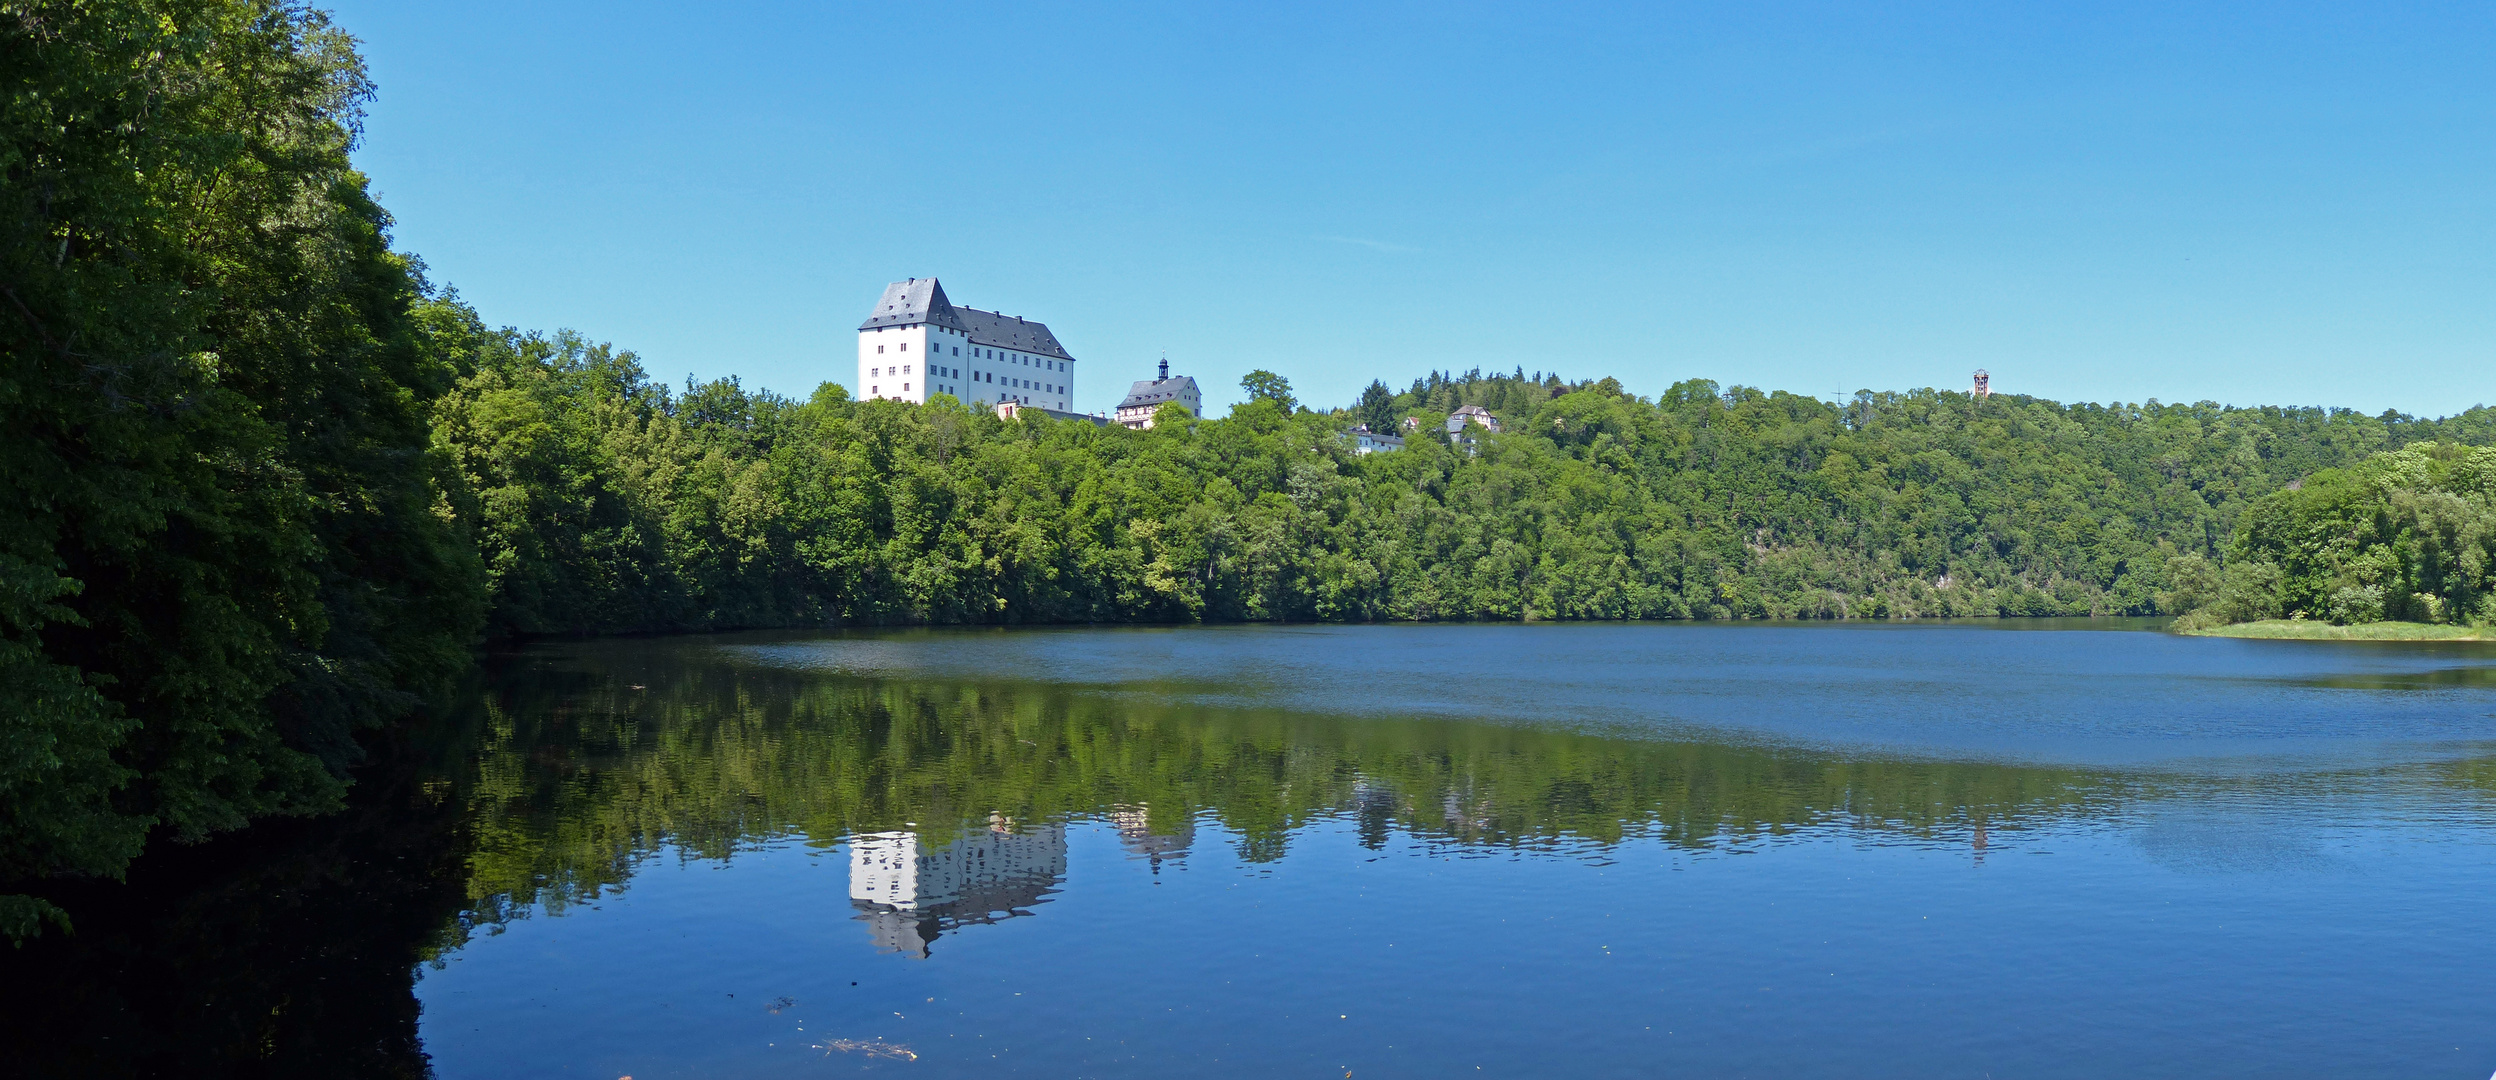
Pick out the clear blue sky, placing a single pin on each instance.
(2257, 203)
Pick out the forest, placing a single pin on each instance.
(272, 490)
(603, 502)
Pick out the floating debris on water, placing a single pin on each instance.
(869, 1047)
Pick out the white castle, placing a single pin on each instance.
(918, 343)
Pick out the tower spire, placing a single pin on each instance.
(1165, 367)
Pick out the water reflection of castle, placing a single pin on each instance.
(909, 890)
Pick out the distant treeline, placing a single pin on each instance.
(268, 486)
(603, 502)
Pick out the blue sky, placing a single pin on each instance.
(2255, 204)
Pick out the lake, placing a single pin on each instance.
(2007, 849)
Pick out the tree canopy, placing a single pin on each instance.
(606, 502)
(222, 554)
(2408, 535)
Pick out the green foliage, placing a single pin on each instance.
(2406, 536)
(221, 557)
(605, 503)
(1263, 385)
(1377, 409)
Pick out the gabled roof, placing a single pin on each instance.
(922, 300)
(1153, 393)
(1008, 332)
(908, 303)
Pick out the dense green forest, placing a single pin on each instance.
(605, 502)
(269, 488)
(2408, 535)
(221, 556)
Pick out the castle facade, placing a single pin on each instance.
(917, 343)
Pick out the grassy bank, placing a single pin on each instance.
(2322, 631)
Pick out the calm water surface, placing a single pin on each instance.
(1889, 850)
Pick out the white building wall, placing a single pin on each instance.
(893, 362)
(998, 374)
(908, 363)
(947, 368)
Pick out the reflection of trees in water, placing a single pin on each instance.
(594, 757)
(292, 948)
(286, 949)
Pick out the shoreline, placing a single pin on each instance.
(2310, 630)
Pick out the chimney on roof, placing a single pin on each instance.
(1165, 370)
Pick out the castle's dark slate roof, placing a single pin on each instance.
(922, 300)
(1153, 393)
(1008, 332)
(909, 303)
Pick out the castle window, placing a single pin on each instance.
(905, 369)
(875, 371)
(905, 388)
(879, 348)
(905, 346)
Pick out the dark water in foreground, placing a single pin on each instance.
(1378, 851)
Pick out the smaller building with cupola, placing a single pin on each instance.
(1149, 395)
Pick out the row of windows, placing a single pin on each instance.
(1018, 358)
(932, 369)
(991, 354)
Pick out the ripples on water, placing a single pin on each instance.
(1715, 850)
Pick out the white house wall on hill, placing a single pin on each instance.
(916, 343)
